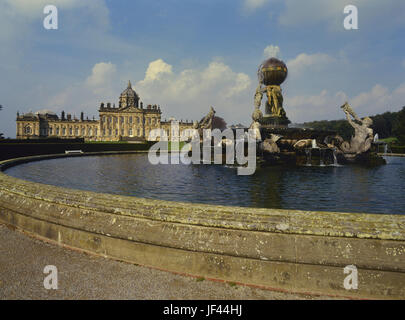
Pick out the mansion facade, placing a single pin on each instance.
(130, 121)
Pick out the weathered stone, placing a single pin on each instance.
(298, 251)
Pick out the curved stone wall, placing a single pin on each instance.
(289, 250)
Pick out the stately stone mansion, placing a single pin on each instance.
(129, 122)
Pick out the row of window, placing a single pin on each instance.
(130, 119)
(109, 132)
(90, 131)
(70, 131)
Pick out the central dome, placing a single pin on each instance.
(272, 72)
(129, 98)
(129, 92)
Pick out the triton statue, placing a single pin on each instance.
(363, 134)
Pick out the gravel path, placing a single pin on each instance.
(84, 276)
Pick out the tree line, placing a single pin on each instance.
(387, 125)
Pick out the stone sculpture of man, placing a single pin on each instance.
(363, 134)
(275, 101)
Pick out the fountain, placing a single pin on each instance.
(309, 157)
(278, 144)
(314, 146)
(335, 162)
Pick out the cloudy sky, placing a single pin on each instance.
(187, 55)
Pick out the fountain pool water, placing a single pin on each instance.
(329, 188)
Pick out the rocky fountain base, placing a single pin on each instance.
(305, 147)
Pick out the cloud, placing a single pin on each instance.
(87, 94)
(380, 99)
(101, 77)
(31, 8)
(34, 8)
(254, 4)
(186, 94)
(272, 51)
(303, 61)
(190, 91)
(156, 70)
(314, 12)
(322, 106)
(217, 78)
(79, 22)
(325, 105)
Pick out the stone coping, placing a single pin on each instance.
(336, 224)
(288, 250)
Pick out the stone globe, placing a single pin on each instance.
(272, 72)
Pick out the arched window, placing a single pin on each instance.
(28, 130)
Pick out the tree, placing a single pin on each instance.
(218, 123)
(399, 127)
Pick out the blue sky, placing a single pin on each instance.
(187, 55)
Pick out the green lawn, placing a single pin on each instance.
(389, 140)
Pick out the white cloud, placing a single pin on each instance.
(303, 61)
(217, 78)
(325, 105)
(87, 94)
(186, 94)
(156, 70)
(272, 51)
(101, 77)
(380, 99)
(17, 18)
(191, 91)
